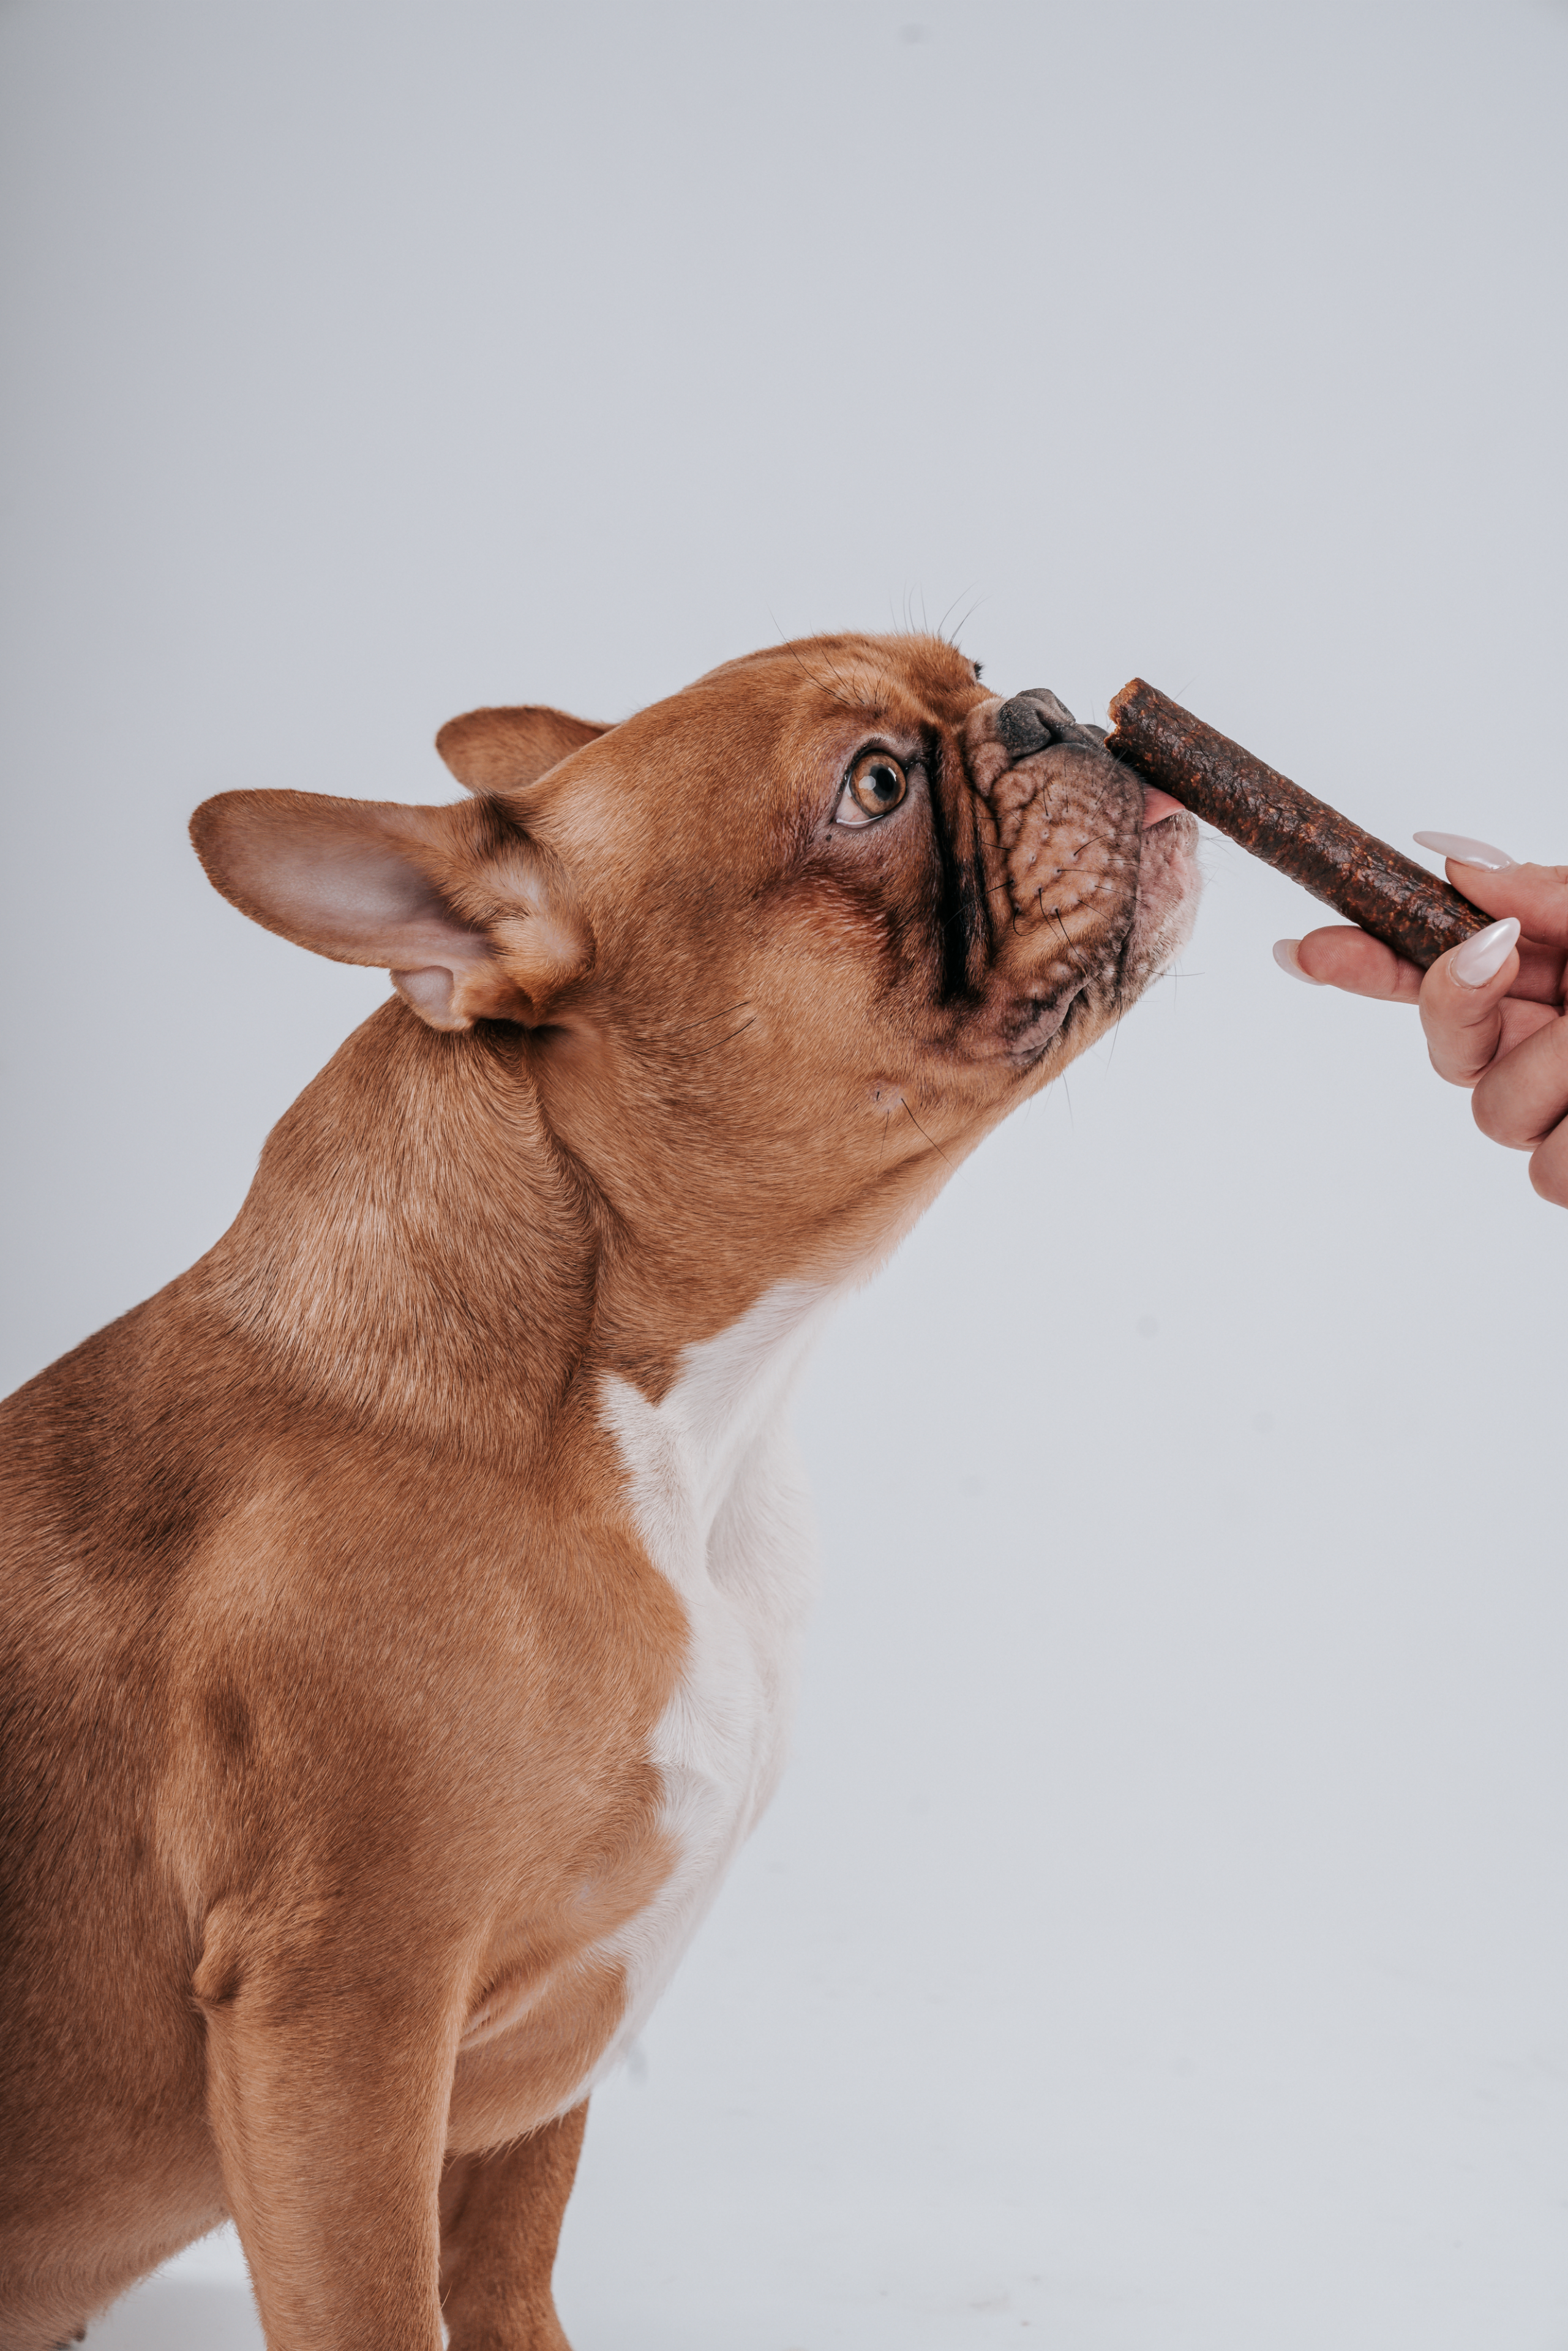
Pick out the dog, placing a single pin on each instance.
(401, 1608)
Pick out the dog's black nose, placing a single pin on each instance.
(1033, 718)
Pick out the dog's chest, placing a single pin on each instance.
(718, 1498)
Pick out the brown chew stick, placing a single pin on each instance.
(1351, 870)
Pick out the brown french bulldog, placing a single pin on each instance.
(401, 1608)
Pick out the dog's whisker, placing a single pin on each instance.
(931, 1139)
(703, 1050)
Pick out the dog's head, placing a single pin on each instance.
(782, 946)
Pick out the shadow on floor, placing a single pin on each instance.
(179, 2314)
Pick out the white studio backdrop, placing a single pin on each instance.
(1161, 1942)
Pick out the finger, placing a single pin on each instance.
(1463, 1022)
(1548, 1167)
(1538, 894)
(1524, 1095)
(1349, 959)
(1540, 963)
(1540, 971)
(1340, 956)
(1521, 1021)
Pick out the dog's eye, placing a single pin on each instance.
(873, 787)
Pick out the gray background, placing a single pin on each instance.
(1161, 1943)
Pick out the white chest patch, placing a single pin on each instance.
(720, 1500)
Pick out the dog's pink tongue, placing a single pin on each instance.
(1157, 804)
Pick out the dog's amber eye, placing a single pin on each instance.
(874, 785)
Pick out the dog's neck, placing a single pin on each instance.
(423, 1245)
(412, 1249)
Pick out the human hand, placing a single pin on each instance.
(1492, 1006)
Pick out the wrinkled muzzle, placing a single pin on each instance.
(1060, 832)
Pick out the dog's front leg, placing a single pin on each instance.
(327, 2090)
(500, 2221)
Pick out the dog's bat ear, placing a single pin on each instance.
(500, 751)
(470, 917)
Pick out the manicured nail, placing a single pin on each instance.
(1483, 957)
(1285, 956)
(1466, 852)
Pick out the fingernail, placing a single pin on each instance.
(1466, 852)
(1482, 958)
(1286, 958)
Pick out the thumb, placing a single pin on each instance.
(1462, 999)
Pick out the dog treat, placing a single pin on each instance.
(1399, 902)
